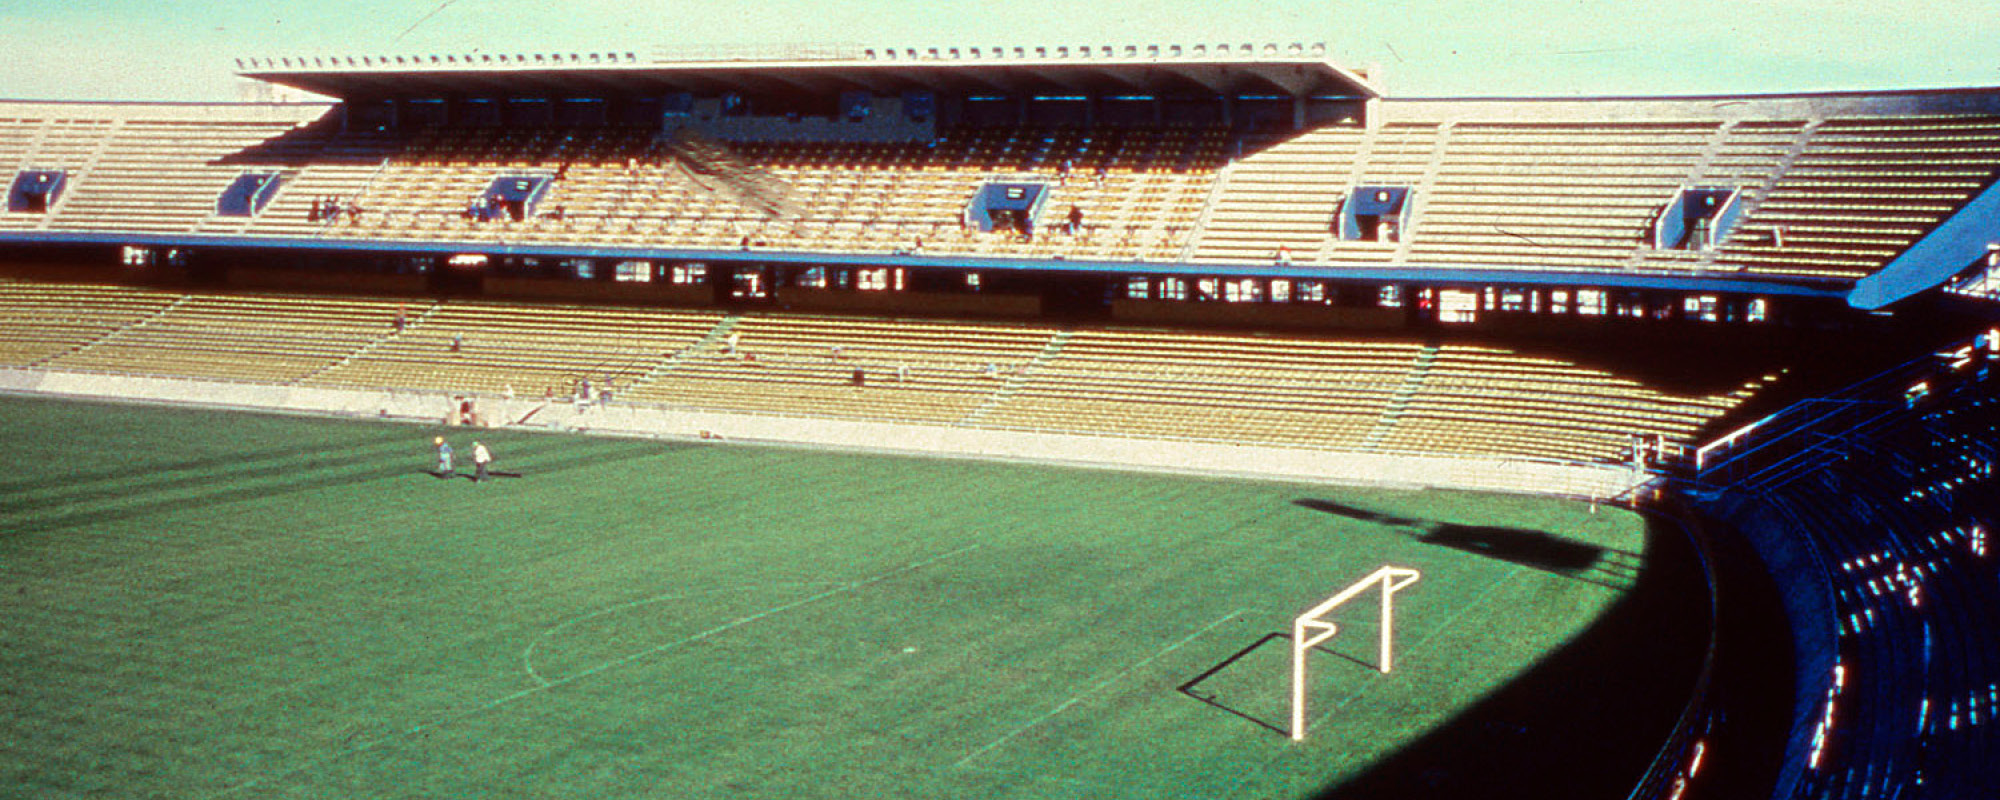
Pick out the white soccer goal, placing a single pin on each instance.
(1322, 629)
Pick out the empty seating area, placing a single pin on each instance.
(532, 351)
(160, 176)
(913, 370)
(1486, 400)
(1825, 198)
(1281, 197)
(265, 339)
(1862, 191)
(1211, 387)
(1337, 393)
(41, 321)
(1553, 195)
(69, 144)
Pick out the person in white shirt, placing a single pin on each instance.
(480, 458)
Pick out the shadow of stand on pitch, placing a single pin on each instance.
(1257, 670)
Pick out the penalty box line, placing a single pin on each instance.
(1079, 696)
(740, 622)
(565, 680)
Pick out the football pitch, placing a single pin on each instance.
(222, 605)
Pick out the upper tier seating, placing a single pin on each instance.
(1824, 198)
(1827, 199)
(625, 186)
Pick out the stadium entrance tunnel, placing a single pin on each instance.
(1585, 721)
(1007, 207)
(247, 195)
(35, 191)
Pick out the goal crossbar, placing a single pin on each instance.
(1311, 628)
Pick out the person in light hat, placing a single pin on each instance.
(480, 458)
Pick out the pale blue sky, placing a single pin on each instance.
(181, 49)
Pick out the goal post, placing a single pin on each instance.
(1312, 627)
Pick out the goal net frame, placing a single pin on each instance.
(1312, 627)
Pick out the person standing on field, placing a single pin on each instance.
(480, 458)
(444, 468)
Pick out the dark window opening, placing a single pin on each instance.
(248, 194)
(1010, 207)
(36, 191)
(1374, 214)
(508, 197)
(1698, 218)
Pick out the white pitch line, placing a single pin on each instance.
(528, 653)
(1079, 696)
(567, 679)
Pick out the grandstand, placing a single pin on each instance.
(1212, 259)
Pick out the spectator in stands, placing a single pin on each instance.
(312, 213)
(1075, 220)
(582, 392)
(604, 392)
(402, 317)
(457, 342)
(1386, 232)
(902, 373)
(859, 377)
(480, 458)
(1284, 256)
(729, 345)
(444, 468)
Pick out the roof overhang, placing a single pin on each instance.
(1963, 239)
(613, 74)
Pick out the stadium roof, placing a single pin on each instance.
(1224, 70)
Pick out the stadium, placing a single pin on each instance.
(1166, 420)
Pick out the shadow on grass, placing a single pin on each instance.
(558, 455)
(1193, 689)
(1539, 550)
(445, 476)
(1586, 720)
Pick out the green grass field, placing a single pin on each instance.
(211, 605)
